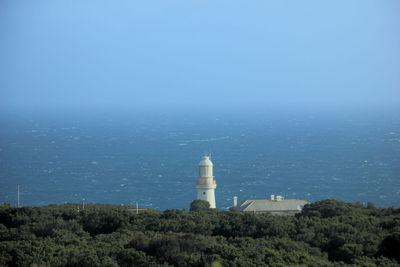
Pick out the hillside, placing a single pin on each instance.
(326, 233)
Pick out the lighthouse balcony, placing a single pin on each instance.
(211, 184)
(206, 181)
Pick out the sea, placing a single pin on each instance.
(151, 157)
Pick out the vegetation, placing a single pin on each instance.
(198, 205)
(326, 233)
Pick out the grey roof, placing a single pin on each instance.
(285, 205)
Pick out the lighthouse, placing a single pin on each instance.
(205, 183)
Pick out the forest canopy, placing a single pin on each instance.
(325, 233)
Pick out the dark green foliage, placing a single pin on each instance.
(328, 208)
(390, 247)
(103, 221)
(326, 233)
(198, 205)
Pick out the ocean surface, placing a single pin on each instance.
(152, 157)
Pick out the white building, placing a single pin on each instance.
(205, 183)
(274, 205)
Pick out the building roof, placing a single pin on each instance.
(278, 206)
(205, 161)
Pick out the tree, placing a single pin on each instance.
(198, 205)
(390, 247)
(328, 233)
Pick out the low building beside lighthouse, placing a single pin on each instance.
(275, 205)
(205, 183)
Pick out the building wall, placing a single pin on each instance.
(207, 194)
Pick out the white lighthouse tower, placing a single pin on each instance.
(206, 184)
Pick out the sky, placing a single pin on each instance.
(199, 54)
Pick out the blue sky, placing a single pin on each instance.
(203, 54)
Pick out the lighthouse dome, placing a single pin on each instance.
(205, 161)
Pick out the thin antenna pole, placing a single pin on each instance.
(137, 207)
(18, 196)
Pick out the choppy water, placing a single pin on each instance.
(152, 158)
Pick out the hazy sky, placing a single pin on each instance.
(103, 54)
